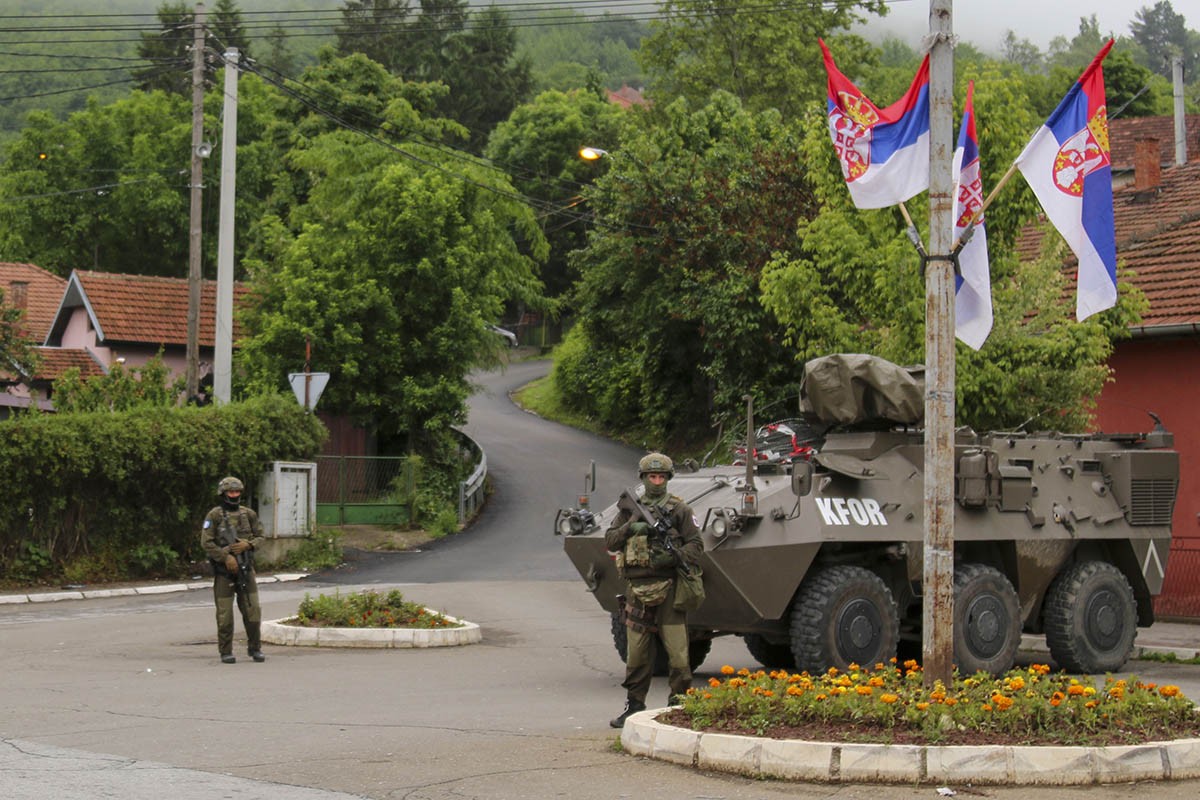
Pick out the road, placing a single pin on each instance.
(125, 697)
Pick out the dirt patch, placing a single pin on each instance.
(377, 538)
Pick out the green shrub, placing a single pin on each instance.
(137, 482)
(316, 552)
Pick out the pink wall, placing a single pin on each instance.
(1163, 376)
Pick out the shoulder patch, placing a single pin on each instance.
(207, 524)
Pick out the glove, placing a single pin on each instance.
(639, 528)
(664, 560)
(240, 546)
(231, 564)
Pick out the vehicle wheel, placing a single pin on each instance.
(697, 648)
(987, 620)
(1090, 618)
(843, 615)
(769, 654)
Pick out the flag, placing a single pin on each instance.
(884, 152)
(973, 287)
(1068, 167)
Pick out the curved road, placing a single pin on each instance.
(536, 467)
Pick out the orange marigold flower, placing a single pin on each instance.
(821, 697)
(853, 667)
(938, 695)
(714, 682)
(1116, 691)
(1169, 691)
(795, 691)
(727, 670)
(889, 698)
(831, 671)
(864, 690)
(922, 706)
(768, 692)
(1002, 702)
(986, 707)
(1090, 704)
(707, 695)
(793, 678)
(1016, 683)
(950, 701)
(838, 690)
(745, 673)
(875, 680)
(911, 664)
(1056, 701)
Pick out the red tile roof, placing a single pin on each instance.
(57, 360)
(1158, 237)
(626, 97)
(42, 296)
(149, 309)
(1124, 134)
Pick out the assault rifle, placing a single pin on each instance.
(229, 536)
(655, 516)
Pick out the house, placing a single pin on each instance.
(1125, 133)
(1158, 369)
(36, 292)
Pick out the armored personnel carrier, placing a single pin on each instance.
(819, 562)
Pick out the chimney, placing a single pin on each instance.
(1147, 171)
(18, 294)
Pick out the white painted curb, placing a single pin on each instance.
(276, 632)
(836, 762)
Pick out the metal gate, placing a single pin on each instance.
(364, 490)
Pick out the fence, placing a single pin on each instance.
(380, 490)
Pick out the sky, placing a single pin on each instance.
(983, 22)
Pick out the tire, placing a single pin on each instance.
(697, 648)
(987, 620)
(1090, 618)
(843, 615)
(769, 654)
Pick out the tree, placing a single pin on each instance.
(566, 48)
(169, 50)
(766, 56)
(1163, 34)
(538, 145)
(389, 268)
(17, 354)
(670, 331)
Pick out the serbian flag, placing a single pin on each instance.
(1068, 167)
(884, 152)
(973, 287)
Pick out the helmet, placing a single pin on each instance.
(656, 462)
(230, 484)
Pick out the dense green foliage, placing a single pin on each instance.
(368, 609)
(671, 332)
(16, 350)
(120, 389)
(568, 50)
(130, 485)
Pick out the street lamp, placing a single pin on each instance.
(592, 153)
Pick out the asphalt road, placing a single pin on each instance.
(125, 698)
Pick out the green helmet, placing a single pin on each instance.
(656, 462)
(230, 484)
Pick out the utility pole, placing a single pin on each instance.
(938, 578)
(194, 275)
(223, 332)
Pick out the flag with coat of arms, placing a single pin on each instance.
(884, 152)
(973, 285)
(1067, 164)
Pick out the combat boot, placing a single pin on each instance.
(631, 707)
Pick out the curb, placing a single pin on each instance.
(126, 591)
(833, 762)
(1037, 644)
(275, 632)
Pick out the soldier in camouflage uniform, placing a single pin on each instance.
(230, 534)
(649, 568)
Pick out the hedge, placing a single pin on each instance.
(74, 484)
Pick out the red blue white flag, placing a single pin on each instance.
(973, 286)
(884, 152)
(1068, 167)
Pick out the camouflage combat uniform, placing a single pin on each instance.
(221, 528)
(645, 622)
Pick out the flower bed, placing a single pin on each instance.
(368, 609)
(891, 704)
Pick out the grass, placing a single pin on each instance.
(890, 703)
(367, 609)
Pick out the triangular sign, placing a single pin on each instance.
(316, 384)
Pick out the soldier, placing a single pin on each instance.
(648, 563)
(229, 537)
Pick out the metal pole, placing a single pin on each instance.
(1180, 118)
(223, 357)
(194, 276)
(938, 579)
